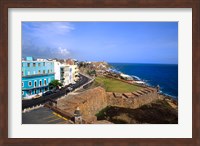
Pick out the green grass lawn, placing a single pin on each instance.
(112, 85)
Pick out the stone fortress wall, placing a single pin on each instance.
(94, 100)
(132, 100)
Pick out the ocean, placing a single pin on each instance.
(164, 75)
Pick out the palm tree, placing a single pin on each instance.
(54, 84)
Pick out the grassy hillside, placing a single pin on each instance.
(112, 85)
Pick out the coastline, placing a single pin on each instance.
(142, 82)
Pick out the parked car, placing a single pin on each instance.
(70, 89)
(47, 93)
(69, 84)
(55, 90)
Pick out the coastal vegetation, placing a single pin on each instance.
(157, 112)
(91, 72)
(112, 85)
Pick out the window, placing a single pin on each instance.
(38, 64)
(48, 71)
(45, 82)
(22, 73)
(40, 90)
(35, 91)
(34, 65)
(45, 88)
(40, 83)
(22, 64)
(43, 63)
(30, 83)
(38, 71)
(22, 84)
(28, 72)
(28, 64)
(35, 83)
(34, 72)
(30, 92)
(51, 70)
(43, 71)
(22, 92)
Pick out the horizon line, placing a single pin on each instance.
(145, 63)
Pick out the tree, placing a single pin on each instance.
(91, 72)
(94, 72)
(54, 84)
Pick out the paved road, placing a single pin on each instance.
(42, 100)
(43, 115)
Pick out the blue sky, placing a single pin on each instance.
(123, 42)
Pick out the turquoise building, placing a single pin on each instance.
(36, 76)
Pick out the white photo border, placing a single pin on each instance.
(181, 130)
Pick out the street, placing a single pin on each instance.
(43, 99)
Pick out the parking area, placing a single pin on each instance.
(43, 115)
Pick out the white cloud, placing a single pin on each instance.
(42, 39)
(63, 51)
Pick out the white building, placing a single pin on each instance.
(65, 78)
(75, 72)
(62, 73)
(57, 66)
(66, 74)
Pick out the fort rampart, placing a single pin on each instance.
(94, 100)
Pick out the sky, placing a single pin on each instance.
(114, 42)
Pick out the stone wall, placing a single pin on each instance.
(89, 102)
(132, 100)
(94, 100)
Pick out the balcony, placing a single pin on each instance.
(37, 75)
(34, 87)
